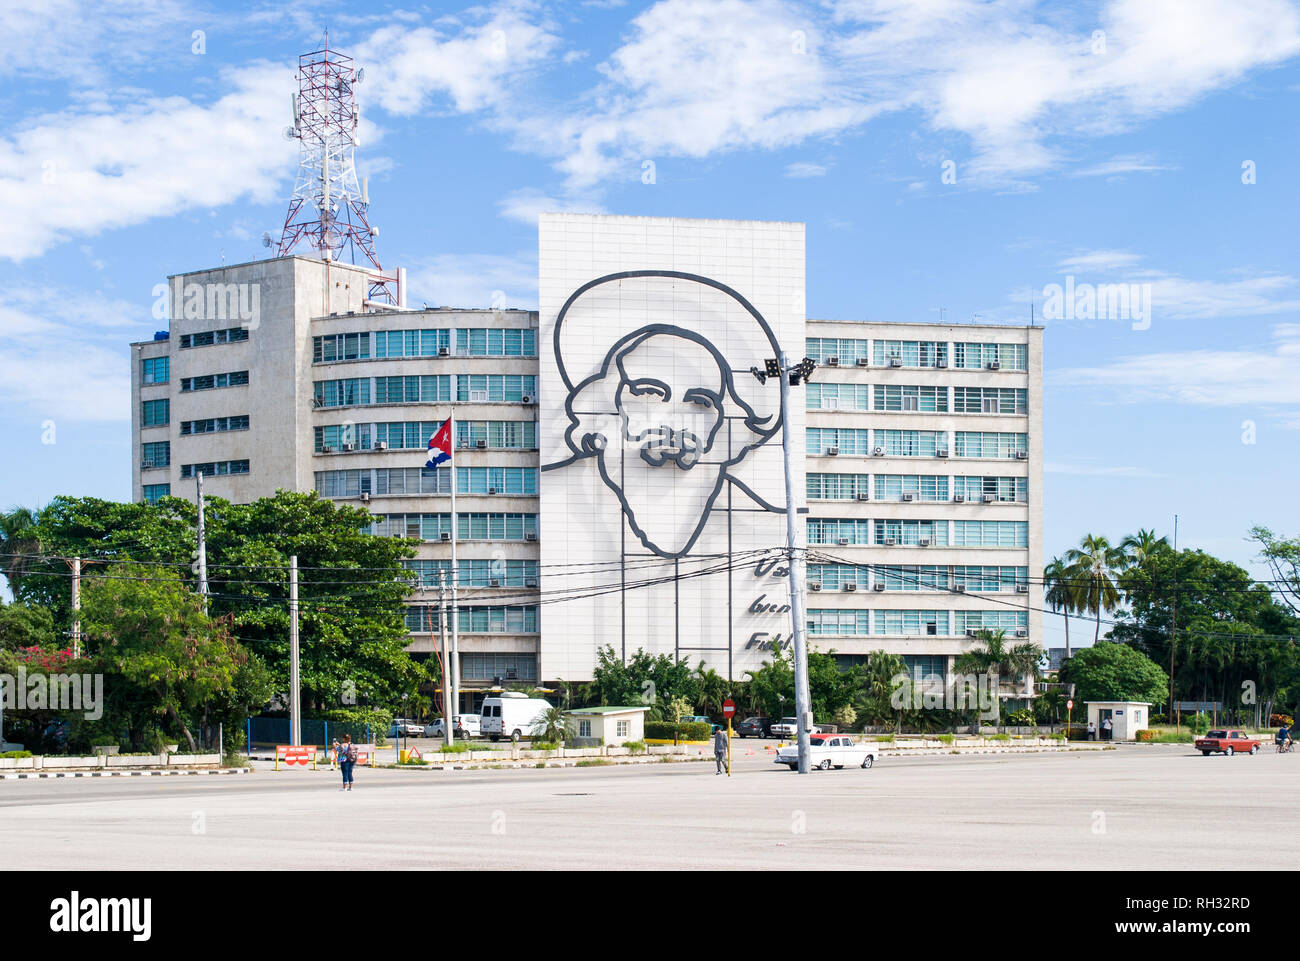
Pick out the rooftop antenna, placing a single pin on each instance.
(329, 208)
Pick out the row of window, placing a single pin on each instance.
(852, 623)
(849, 351)
(923, 398)
(215, 468)
(843, 531)
(487, 619)
(935, 488)
(912, 577)
(469, 526)
(864, 442)
(380, 344)
(382, 481)
(230, 335)
(476, 572)
(234, 378)
(414, 435)
(426, 389)
(214, 425)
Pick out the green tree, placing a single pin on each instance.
(829, 688)
(1282, 555)
(1140, 547)
(554, 727)
(1115, 672)
(1098, 564)
(997, 659)
(19, 543)
(644, 679)
(1063, 592)
(22, 625)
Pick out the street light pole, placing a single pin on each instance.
(795, 567)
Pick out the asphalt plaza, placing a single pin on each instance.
(1151, 806)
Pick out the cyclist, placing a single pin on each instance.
(1283, 739)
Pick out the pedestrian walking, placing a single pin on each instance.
(1106, 729)
(347, 761)
(1092, 731)
(720, 752)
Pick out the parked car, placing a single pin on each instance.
(755, 727)
(789, 727)
(826, 751)
(511, 715)
(701, 719)
(1228, 742)
(464, 726)
(405, 727)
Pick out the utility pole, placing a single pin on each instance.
(203, 544)
(453, 665)
(448, 732)
(295, 705)
(1173, 633)
(795, 566)
(76, 607)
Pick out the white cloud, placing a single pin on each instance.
(1127, 164)
(1100, 260)
(527, 203)
(473, 280)
(803, 168)
(1263, 376)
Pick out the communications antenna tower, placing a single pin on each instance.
(328, 209)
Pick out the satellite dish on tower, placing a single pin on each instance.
(266, 239)
(361, 74)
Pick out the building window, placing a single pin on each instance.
(230, 335)
(334, 347)
(496, 342)
(496, 527)
(413, 389)
(496, 388)
(341, 437)
(214, 425)
(838, 396)
(155, 370)
(155, 454)
(622, 728)
(990, 533)
(912, 577)
(921, 487)
(429, 571)
(422, 527)
(848, 441)
(839, 531)
(911, 443)
(910, 353)
(833, 577)
(342, 393)
(989, 444)
(836, 487)
(911, 623)
(912, 533)
(215, 468)
(152, 492)
(487, 572)
(496, 480)
(497, 434)
(1009, 621)
(990, 400)
(1001, 489)
(839, 623)
(926, 667)
(980, 356)
(155, 413)
(234, 378)
(902, 397)
(846, 350)
(412, 343)
(497, 620)
(508, 667)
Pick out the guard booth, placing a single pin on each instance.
(1126, 718)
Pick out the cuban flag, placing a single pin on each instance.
(440, 446)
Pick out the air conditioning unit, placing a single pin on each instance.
(850, 586)
(971, 632)
(864, 497)
(365, 497)
(530, 582)
(530, 535)
(988, 498)
(327, 448)
(814, 585)
(895, 362)
(1022, 588)
(832, 361)
(444, 536)
(908, 496)
(958, 498)
(492, 490)
(941, 364)
(994, 365)
(832, 451)
(494, 582)
(923, 542)
(959, 588)
(347, 448)
(877, 452)
(863, 362)
(480, 444)
(444, 352)
(878, 586)
(381, 445)
(941, 452)
(843, 542)
(890, 542)
(526, 398)
(1022, 632)
(1022, 455)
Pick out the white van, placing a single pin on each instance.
(511, 715)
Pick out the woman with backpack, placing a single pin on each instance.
(347, 761)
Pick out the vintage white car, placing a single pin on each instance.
(826, 751)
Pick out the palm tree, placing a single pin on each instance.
(18, 543)
(1061, 581)
(712, 688)
(997, 660)
(554, 726)
(1097, 564)
(1140, 547)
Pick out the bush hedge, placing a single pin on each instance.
(1147, 735)
(681, 731)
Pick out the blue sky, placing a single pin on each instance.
(1109, 142)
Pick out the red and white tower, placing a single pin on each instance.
(328, 209)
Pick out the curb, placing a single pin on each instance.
(60, 774)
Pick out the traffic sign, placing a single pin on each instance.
(728, 708)
(1069, 705)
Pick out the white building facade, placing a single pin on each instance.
(617, 463)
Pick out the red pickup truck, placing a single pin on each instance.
(1227, 742)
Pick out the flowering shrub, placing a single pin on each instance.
(44, 660)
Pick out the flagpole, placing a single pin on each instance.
(454, 666)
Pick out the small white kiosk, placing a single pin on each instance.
(1126, 718)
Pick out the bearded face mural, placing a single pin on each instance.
(663, 418)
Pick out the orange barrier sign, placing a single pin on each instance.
(300, 755)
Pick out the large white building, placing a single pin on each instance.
(617, 463)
